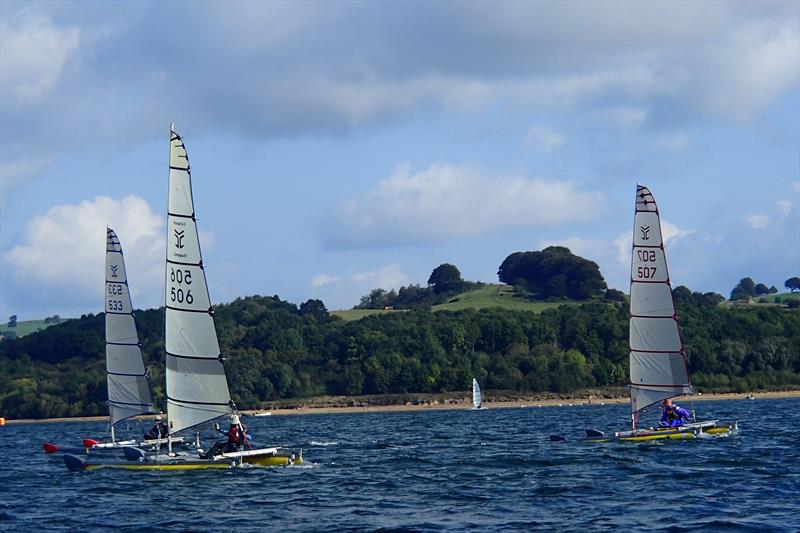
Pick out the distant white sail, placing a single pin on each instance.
(128, 388)
(476, 394)
(197, 388)
(657, 360)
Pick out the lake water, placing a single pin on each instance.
(457, 470)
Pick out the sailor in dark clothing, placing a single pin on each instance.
(159, 431)
(673, 416)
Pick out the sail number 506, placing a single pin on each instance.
(181, 277)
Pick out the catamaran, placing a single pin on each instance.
(126, 377)
(476, 396)
(196, 383)
(658, 369)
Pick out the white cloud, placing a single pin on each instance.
(672, 233)
(740, 74)
(15, 172)
(544, 138)
(624, 117)
(320, 280)
(33, 52)
(757, 221)
(588, 248)
(783, 207)
(386, 277)
(343, 290)
(446, 201)
(675, 142)
(64, 249)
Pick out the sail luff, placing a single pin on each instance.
(657, 360)
(126, 377)
(197, 387)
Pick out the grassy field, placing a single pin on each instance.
(495, 296)
(783, 298)
(772, 299)
(25, 327)
(485, 297)
(358, 314)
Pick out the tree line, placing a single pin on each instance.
(275, 349)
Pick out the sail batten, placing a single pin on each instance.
(197, 387)
(126, 377)
(657, 360)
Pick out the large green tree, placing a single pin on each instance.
(792, 284)
(553, 272)
(743, 290)
(445, 277)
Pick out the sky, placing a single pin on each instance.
(338, 147)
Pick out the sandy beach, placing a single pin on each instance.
(343, 404)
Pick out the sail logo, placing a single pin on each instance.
(179, 239)
(114, 271)
(645, 232)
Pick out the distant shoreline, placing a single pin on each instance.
(328, 405)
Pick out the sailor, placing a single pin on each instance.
(237, 435)
(159, 431)
(672, 415)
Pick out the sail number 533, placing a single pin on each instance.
(182, 277)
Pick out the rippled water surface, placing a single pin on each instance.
(435, 470)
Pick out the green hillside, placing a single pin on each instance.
(357, 314)
(494, 296)
(485, 297)
(26, 327)
(777, 298)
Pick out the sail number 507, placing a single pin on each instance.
(646, 272)
(181, 277)
(646, 256)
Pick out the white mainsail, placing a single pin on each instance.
(657, 360)
(128, 388)
(197, 388)
(476, 394)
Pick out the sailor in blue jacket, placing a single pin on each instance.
(673, 416)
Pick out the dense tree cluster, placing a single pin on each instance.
(554, 272)
(793, 284)
(445, 278)
(747, 288)
(275, 349)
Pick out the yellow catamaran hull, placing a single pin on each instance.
(690, 431)
(272, 457)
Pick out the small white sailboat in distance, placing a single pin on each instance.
(476, 396)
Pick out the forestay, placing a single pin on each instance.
(476, 394)
(197, 388)
(657, 360)
(128, 388)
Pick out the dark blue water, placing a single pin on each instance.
(436, 470)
